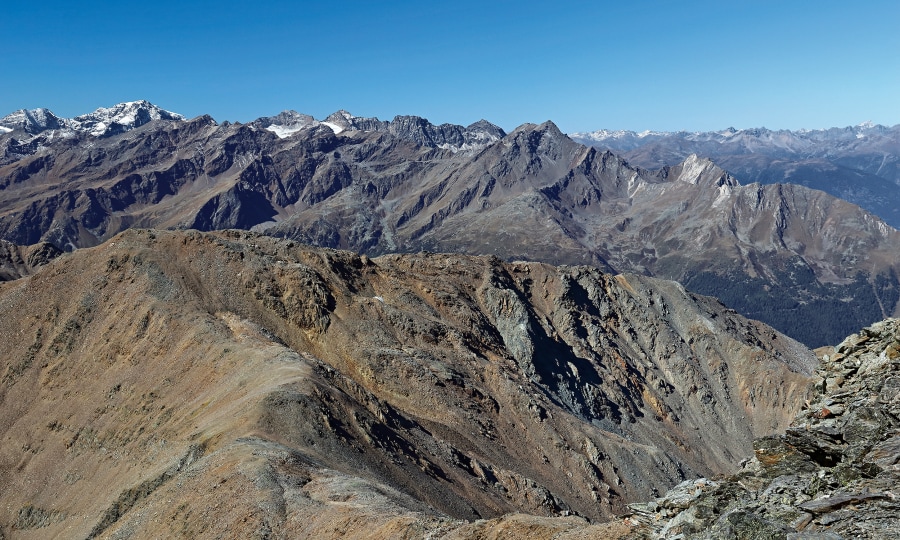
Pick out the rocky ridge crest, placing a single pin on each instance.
(172, 383)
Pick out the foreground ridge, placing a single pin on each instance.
(834, 473)
(231, 384)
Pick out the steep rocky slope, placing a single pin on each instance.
(403, 186)
(184, 383)
(833, 474)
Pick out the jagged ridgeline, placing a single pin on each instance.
(813, 266)
(860, 164)
(172, 383)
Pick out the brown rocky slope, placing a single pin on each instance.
(203, 384)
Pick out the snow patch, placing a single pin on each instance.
(4, 129)
(334, 127)
(634, 185)
(284, 131)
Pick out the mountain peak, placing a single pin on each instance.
(104, 121)
(550, 127)
(285, 123)
(487, 127)
(121, 117)
(31, 121)
(698, 170)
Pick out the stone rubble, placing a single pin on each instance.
(834, 473)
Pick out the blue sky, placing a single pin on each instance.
(661, 65)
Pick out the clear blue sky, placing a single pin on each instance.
(629, 64)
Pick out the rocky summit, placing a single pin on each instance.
(833, 474)
(189, 384)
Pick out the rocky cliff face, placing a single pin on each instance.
(833, 474)
(813, 266)
(183, 383)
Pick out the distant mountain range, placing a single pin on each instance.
(101, 123)
(860, 164)
(810, 264)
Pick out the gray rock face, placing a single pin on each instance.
(833, 474)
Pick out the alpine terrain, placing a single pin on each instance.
(356, 328)
(812, 265)
(188, 384)
(860, 164)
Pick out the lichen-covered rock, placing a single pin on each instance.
(833, 474)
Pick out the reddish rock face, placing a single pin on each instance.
(184, 383)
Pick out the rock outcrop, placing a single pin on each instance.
(187, 384)
(18, 261)
(833, 474)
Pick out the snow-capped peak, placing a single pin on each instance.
(121, 117)
(103, 121)
(285, 123)
(31, 121)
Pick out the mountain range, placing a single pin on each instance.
(860, 164)
(812, 265)
(356, 328)
(101, 123)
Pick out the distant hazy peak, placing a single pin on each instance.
(626, 140)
